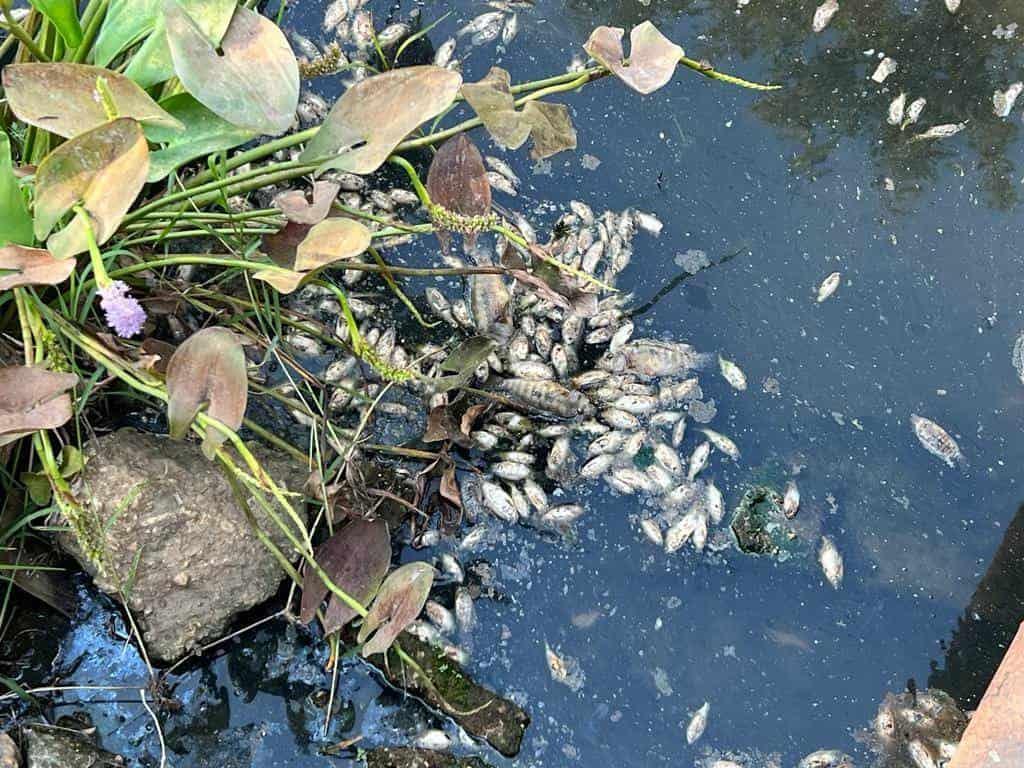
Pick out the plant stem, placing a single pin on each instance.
(177, 234)
(18, 31)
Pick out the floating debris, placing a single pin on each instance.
(823, 14)
(916, 727)
(831, 562)
(829, 286)
(936, 440)
(827, 758)
(732, 373)
(940, 132)
(698, 723)
(885, 68)
(564, 669)
(1003, 101)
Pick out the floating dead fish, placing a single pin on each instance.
(500, 166)
(1003, 101)
(698, 460)
(597, 466)
(648, 222)
(651, 358)
(914, 112)
(497, 501)
(791, 500)
(827, 758)
(831, 562)
(722, 443)
(474, 538)
(440, 616)
(714, 503)
(679, 432)
(940, 132)
(445, 52)
(510, 29)
(885, 68)
(465, 612)
(510, 470)
(667, 457)
(921, 755)
(531, 369)
(681, 531)
(451, 567)
(558, 456)
(952, 5)
(482, 22)
(535, 495)
(500, 183)
(564, 669)
(433, 739)
(896, 109)
(823, 15)
(1017, 356)
(547, 396)
(829, 286)
(562, 515)
(936, 440)
(732, 373)
(698, 723)
(652, 532)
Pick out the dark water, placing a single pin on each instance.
(793, 184)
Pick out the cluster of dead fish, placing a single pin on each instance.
(917, 729)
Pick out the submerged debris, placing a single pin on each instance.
(936, 440)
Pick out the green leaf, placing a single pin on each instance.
(463, 361)
(204, 133)
(103, 170)
(38, 486)
(126, 22)
(376, 114)
(15, 223)
(152, 63)
(70, 99)
(251, 80)
(63, 14)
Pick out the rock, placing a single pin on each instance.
(47, 747)
(501, 723)
(175, 539)
(10, 756)
(406, 757)
(760, 525)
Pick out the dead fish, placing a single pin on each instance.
(896, 109)
(362, 31)
(1017, 356)
(952, 5)
(440, 616)
(921, 755)
(432, 739)
(445, 52)
(914, 111)
(561, 361)
(732, 373)
(484, 440)
(610, 442)
(698, 460)
(393, 34)
(426, 633)
(558, 456)
(636, 404)
(831, 562)
(722, 443)
(510, 470)
(714, 503)
(698, 723)
(885, 68)
(497, 501)
(829, 286)
(562, 515)
(700, 533)
(592, 257)
(510, 29)
(620, 337)
(936, 440)
(597, 466)
(940, 132)
(592, 378)
(451, 567)
(619, 419)
(823, 15)
(826, 758)
(667, 457)
(547, 396)
(535, 495)
(481, 23)
(1003, 101)
(518, 457)
(583, 212)
(659, 478)
(531, 369)
(629, 478)
(564, 669)
(465, 612)
(725, 764)
(791, 500)
(455, 653)
(651, 358)
(652, 532)
(679, 432)
(681, 531)
(648, 222)
(474, 538)
(500, 166)
(500, 183)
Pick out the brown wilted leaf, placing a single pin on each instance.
(356, 558)
(398, 603)
(652, 56)
(548, 124)
(469, 418)
(32, 266)
(208, 367)
(155, 355)
(32, 398)
(104, 170)
(330, 241)
(439, 425)
(64, 98)
(450, 487)
(376, 114)
(294, 205)
(457, 179)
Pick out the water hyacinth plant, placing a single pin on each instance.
(132, 126)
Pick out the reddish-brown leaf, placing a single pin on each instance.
(294, 205)
(32, 398)
(457, 179)
(356, 558)
(450, 487)
(398, 603)
(208, 367)
(32, 266)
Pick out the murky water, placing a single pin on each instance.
(793, 185)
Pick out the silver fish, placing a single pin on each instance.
(648, 222)
(636, 404)
(652, 531)
(482, 22)
(732, 373)
(503, 168)
(952, 5)
(631, 478)
(659, 479)
(535, 495)
(610, 442)
(722, 443)
(831, 562)
(885, 68)
(936, 440)
(921, 755)
(440, 616)
(1017, 356)
(484, 440)
(558, 456)
(510, 470)
(940, 132)
(714, 503)
(828, 286)
(597, 466)
(510, 30)
(680, 532)
(500, 183)
(631, 445)
(547, 396)
(826, 758)
(698, 723)
(667, 457)
(679, 432)
(823, 15)
(486, 35)
(474, 538)
(445, 52)
(648, 357)
(562, 515)
(914, 111)
(497, 500)
(1003, 101)
(531, 369)
(698, 460)
(896, 109)
(666, 419)
(620, 337)
(518, 457)
(452, 567)
(465, 612)
(791, 500)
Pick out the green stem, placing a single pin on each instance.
(707, 70)
(93, 20)
(178, 234)
(95, 257)
(18, 31)
(421, 191)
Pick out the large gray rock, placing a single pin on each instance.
(48, 747)
(168, 509)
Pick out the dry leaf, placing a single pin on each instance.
(65, 98)
(294, 205)
(31, 266)
(330, 241)
(376, 114)
(398, 603)
(457, 181)
(652, 56)
(356, 558)
(208, 367)
(552, 129)
(32, 398)
(450, 487)
(284, 280)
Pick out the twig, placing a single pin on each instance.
(156, 725)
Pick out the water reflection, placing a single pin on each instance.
(955, 62)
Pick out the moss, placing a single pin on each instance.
(404, 757)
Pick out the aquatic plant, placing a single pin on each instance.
(130, 128)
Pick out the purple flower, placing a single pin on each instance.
(124, 313)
